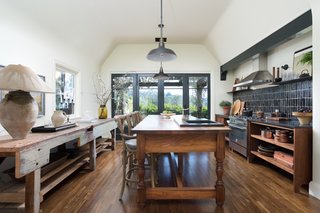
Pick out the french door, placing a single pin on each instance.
(144, 93)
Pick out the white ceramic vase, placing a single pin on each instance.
(18, 113)
(58, 118)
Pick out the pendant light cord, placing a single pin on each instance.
(161, 24)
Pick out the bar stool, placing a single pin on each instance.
(129, 165)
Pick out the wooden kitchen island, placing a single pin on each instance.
(158, 135)
(32, 153)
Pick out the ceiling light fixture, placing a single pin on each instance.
(161, 75)
(161, 53)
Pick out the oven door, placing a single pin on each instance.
(238, 138)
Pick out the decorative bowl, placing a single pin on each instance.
(303, 117)
(167, 115)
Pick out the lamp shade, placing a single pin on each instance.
(18, 77)
(161, 75)
(161, 54)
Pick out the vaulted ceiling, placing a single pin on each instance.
(97, 26)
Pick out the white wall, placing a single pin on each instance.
(246, 22)
(191, 58)
(314, 187)
(23, 42)
(279, 56)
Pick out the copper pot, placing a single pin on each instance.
(260, 114)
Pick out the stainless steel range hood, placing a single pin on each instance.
(261, 76)
(256, 78)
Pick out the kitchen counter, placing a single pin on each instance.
(293, 123)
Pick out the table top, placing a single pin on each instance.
(157, 124)
(7, 144)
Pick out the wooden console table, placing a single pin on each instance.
(33, 152)
(157, 135)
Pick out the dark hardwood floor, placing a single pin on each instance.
(249, 188)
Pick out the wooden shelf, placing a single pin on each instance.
(289, 146)
(14, 191)
(300, 149)
(62, 167)
(240, 90)
(294, 80)
(60, 176)
(273, 161)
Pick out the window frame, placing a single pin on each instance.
(60, 68)
(185, 94)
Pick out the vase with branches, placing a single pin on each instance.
(103, 95)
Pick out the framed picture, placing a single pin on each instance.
(302, 62)
(39, 97)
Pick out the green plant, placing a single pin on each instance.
(306, 58)
(225, 103)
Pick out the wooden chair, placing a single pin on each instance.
(129, 165)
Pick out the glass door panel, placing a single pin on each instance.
(198, 97)
(123, 94)
(173, 94)
(148, 95)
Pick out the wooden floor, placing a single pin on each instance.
(249, 188)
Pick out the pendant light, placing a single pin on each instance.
(161, 53)
(161, 75)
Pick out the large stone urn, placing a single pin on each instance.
(18, 113)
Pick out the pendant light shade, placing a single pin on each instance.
(161, 53)
(161, 75)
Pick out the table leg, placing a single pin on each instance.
(219, 154)
(180, 164)
(32, 192)
(140, 158)
(92, 154)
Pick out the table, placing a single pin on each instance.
(157, 135)
(33, 152)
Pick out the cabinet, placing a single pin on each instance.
(299, 147)
(223, 119)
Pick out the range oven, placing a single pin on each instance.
(238, 135)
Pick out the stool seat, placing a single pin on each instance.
(131, 144)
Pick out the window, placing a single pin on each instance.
(144, 93)
(173, 94)
(148, 95)
(65, 90)
(198, 96)
(122, 101)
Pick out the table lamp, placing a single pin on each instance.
(18, 109)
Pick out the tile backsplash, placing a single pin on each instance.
(287, 97)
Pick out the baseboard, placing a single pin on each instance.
(314, 189)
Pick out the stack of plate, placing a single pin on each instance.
(267, 150)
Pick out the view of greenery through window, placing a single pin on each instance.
(198, 96)
(173, 94)
(144, 93)
(148, 95)
(65, 91)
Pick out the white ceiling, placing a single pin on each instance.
(97, 26)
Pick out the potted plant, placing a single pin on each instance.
(226, 105)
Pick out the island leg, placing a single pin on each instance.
(140, 158)
(219, 154)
